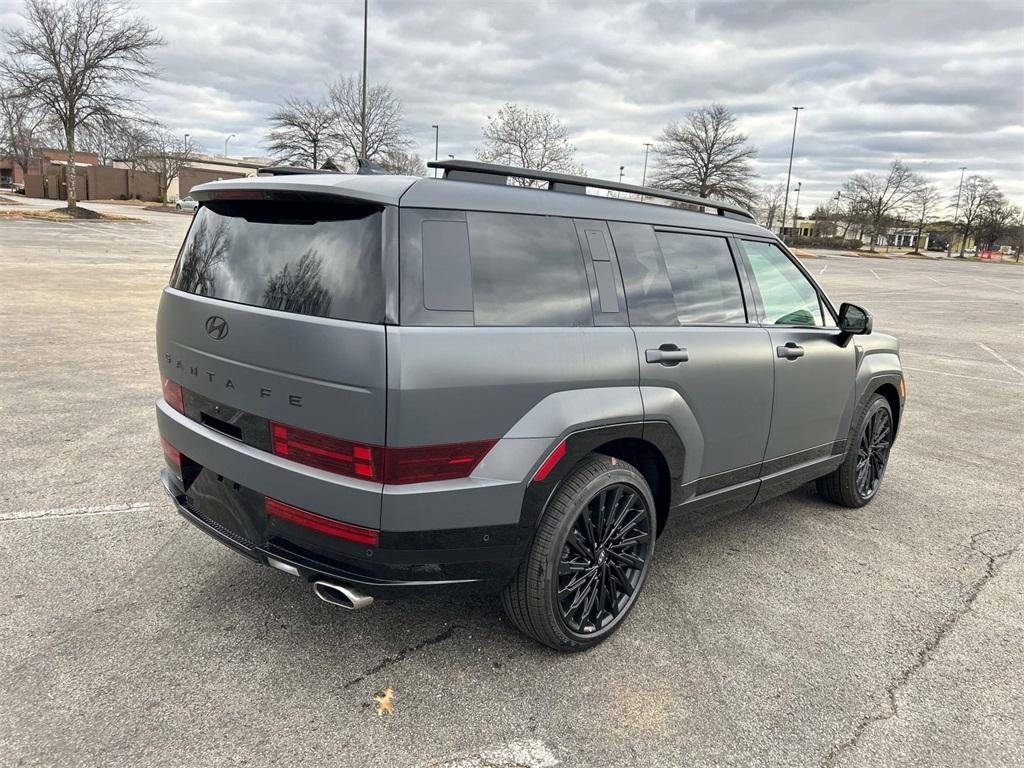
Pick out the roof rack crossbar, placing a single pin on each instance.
(471, 170)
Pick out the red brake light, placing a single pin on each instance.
(356, 533)
(238, 194)
(549, 463)
(173, 394)
(324, 452)
(433, 462)
(172, 455)
(394, 466)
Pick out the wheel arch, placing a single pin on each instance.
(654, 448)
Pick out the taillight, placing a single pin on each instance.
(172, 394)
(394, 466)
(433, 462)
(355, 533)
(323, 452)
(172, 456)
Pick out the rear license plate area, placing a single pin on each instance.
(229, 506)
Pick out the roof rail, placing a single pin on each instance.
(490, 173)
(289, 170)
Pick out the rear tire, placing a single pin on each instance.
(589, 559)
(856, 481)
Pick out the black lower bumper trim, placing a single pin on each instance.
(308, 566)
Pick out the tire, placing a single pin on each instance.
(603, 579)
(855, 482)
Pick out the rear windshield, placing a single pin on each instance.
(311, 258)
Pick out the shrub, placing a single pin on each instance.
(824, 242)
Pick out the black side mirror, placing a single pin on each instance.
(854, 319)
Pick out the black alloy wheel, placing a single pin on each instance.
(603, 559)
(589, 559)
(857, 479)
(873, 452)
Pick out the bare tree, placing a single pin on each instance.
(119, 138)
(303, 132)
(978, 194)
(384, 131)
(769, 202)
(404, 164)
(22, 126)
(706, 156)
(166, 154)
(995, 219)
(880, 197)
(528, 138)
(79, 59)
(924, 204)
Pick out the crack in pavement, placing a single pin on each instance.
(993, 564)
(403, 654)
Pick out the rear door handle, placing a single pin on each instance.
(668, 355)
(791, 351)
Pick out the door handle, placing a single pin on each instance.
(668, 355)
(791, 351)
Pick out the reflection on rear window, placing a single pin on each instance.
(319, 259)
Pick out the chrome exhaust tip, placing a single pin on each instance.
(341, 595)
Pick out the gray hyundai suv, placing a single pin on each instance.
(382, 383)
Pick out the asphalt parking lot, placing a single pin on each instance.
(795, 633)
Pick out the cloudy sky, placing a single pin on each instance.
(938, 84)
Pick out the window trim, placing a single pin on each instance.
(827, 309)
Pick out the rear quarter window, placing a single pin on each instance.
(308, 258)
(527, 270)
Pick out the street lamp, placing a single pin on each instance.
(451, 156)
(229, 138)
(789, 173)
(647, 149)
(437, 132)
(796, 208)
(362, 103)
(956, 212)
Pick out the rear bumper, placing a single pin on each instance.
(384, 571)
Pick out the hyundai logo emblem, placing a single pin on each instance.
(216, 327)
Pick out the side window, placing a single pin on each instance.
(527, 270)
(648, 291)
(704, 281)
(788, 297)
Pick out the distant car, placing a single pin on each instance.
(187, 204)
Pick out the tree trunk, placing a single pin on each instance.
(69, 137)
(917, 240)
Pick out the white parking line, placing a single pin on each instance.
(933, 279)
(1000, 358)
(963, 376)
(528, 753)
(997, 285)
(875, 274)
(58, 512)
(823, 270)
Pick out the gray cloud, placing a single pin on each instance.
(939, 84)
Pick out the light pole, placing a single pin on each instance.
(796, 208)
(437, 132)
(186, 141)
(956, 212)
(362, 103)
(835, 210)
(229, 138)
(647, 149)
(789, 173)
